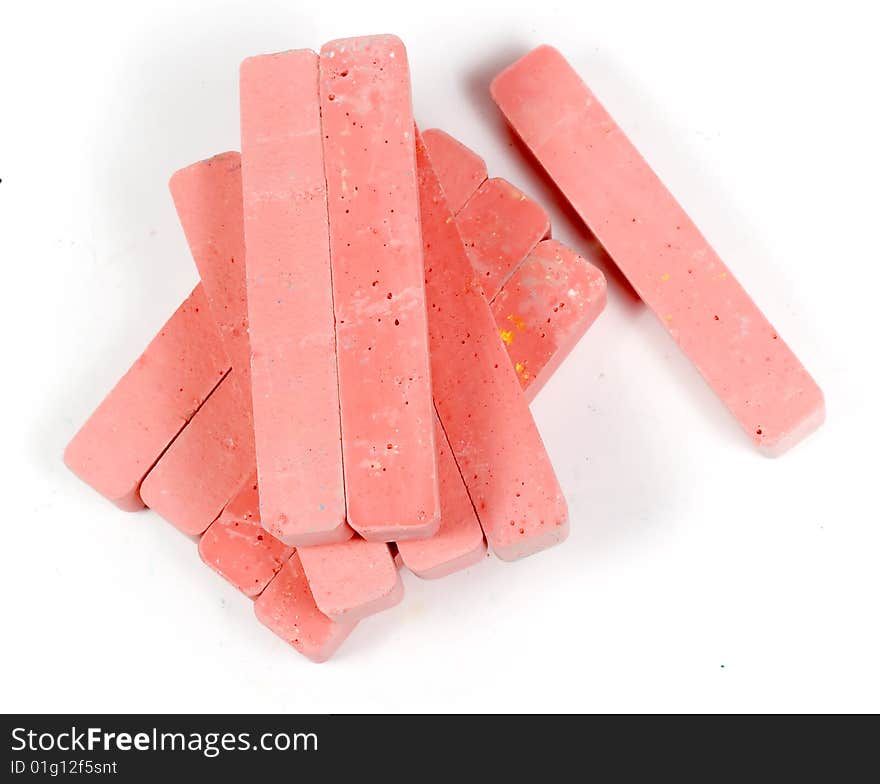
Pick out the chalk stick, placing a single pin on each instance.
(352, 579)
(195, 478)
(288, 608)
(237, 546)
(378, 284)
(121, 441)
(459, 541)
(207, 197)
(482, 409)
(545, 308)
(500, 226)
(290, 303)
(660, 250)
(460, 170)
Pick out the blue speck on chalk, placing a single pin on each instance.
(321, 507)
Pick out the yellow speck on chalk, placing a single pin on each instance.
(507, 336)
(450, 219)
(664, 276)
(668, 318)
(520, 367)
(722, 275)
(520, 324)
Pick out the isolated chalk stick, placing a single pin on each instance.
(389, 453)
(660, 250)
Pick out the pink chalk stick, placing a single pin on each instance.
(150, 405)
(660, 250)
(481, 407)
(195, 478)
(207, 196)
(544, 310)
(290, 303)
(459, 541)
(351, 580)
(378, 282)
(500, 226)
(288, 608)
(211, 458)
(237, 546)
(460, 170)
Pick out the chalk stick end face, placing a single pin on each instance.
(432, 570)
(239, 549)
(526, 537)
(427, 526)
(333, 530)
(545, 309)
(460, 170)
(538, 56)
(288, 608)
(76, 458)
(225, 161)
(253, 66)
(776, 444)
(352, 580)
(384, 42)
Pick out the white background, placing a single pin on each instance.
(699, 575)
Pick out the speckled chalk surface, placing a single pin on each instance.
(485, 416)
(544, 310)
(459, 541)
(288, 608)
(378, 287)
(290, 304)
(351, 580)
(660, 250)
(460, 170)
(150, 405)
(237, 546)
(500, 225)
(194, 479)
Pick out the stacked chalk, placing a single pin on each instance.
(346, 393)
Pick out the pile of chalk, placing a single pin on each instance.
(346, 391)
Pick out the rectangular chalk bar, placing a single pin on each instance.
(460, 170)
(288, 608)
(290, 302)
(659, 249)
(207, 197)
(379, 291)
(150, 405)
(351, 580)
(485, 415)
(237, 546)
(544, 310)
(459, 541)
(194, 479)
(499, 226)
